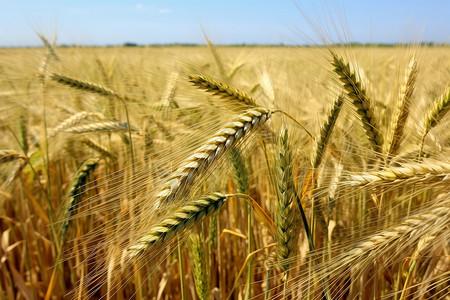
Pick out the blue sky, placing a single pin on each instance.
(226, 22)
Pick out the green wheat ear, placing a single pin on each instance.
(76, 190)
(181, 219)
(200, 266)
(321, 142)
(286, 217)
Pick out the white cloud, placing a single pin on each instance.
(141, 7)
(163, 11)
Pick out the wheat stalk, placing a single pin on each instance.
(402, 109)
(181, 219)
(238, 129)
(356, 92)
(223, 90)
(406, 171)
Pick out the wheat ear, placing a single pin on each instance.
(321, 143)
(286, 220)
(76, 189)
(241, 181)
(84, 85)
(200, 266)
(102, 150)
(223, 90)
(437, 111)
(98, 127)
(10, 155)
(412, 230)
(402, 109)
(238, 129)
(50, 46)
(357, 94)
(411, 226)
(23, 129)
(180, 220)
(240, 172)
(74, 121)
(405, 172)
(217, 58)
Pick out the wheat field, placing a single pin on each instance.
(225, 172)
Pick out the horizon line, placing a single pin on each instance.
(137, 45)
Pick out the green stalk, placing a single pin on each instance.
(181, 268)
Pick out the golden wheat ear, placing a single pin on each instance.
(10, 155)
(357, 94)
(222, 90)
(235, 132)
(426, 169)
(402, 109)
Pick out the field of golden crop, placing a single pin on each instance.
(225, 173)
